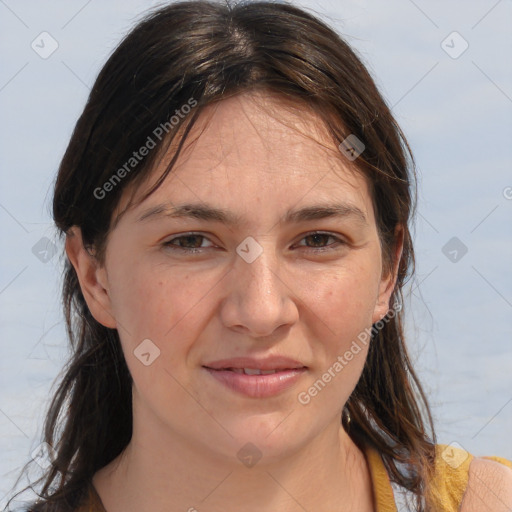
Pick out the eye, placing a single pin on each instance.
(318, 238)
(190, 242)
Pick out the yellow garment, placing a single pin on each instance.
(449, 484)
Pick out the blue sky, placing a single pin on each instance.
(456, 113)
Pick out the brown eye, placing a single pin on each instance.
(319, 241)
(191, 243)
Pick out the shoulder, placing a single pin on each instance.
(489, 486)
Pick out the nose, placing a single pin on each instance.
(260, 299)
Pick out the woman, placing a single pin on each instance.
(235, 201)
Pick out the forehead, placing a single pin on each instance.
(256, 145)
(262, 132)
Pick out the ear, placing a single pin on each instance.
(92, 277)
(388, 280)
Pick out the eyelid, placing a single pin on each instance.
(339, 238)
(167, 242)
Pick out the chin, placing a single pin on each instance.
(265, 439)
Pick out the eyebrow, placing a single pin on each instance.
(201, 211)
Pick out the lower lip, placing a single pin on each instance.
(258, 386)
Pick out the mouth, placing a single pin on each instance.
(257, 379)
(253, 365)
(252, 371)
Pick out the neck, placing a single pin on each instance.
(162, 472)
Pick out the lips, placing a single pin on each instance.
(257, 378)
(249, 363)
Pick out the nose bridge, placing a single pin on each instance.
(259, 273)
(259, 298)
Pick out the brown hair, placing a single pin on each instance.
(209, 51)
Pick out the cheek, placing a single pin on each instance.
(341, 309)
(166, 306)
(345, 300)
(153, 313)
(149, 302)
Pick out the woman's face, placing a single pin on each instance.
(276, 266)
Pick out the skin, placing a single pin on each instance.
(257, 159)
(489, 487)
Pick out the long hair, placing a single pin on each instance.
(197, 53)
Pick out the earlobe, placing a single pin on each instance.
(92, 278)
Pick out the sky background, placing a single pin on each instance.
(453, 99)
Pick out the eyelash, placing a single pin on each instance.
(196, 250)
